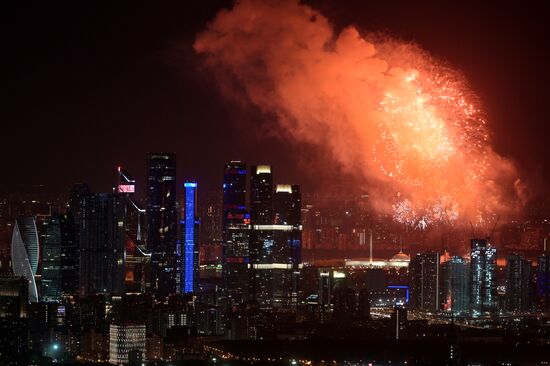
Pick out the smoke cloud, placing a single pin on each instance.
(386, 111)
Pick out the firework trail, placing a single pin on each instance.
(382, 107)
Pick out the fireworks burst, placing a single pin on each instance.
(384, 108)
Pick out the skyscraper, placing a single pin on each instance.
(543, 282)
(518, 283)
(261, 236)
(455, 285)
(188, 244)
(483, 292)
(162, 218)
(25, 252)
(102, 244)
(235, 233)
(424, 281)
(123, 339)
(287, 249)
(59, 258)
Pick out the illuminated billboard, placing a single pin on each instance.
(126, 188)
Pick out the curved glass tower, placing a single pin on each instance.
(24, 252)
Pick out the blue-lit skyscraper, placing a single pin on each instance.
(483, 289)
(188, 245)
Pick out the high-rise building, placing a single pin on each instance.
(456, 287)
(261, 235)
(235, 233)
(543, 282)
(424, 281)
(102, 244)
(162, 219)
(14, 297)
(188, 244)
(287, 244)
(123, 339)
(483, 290)
(518, 284)
(5, 251)
(25, 252)
(59, 258)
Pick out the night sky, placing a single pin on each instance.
(91, 85)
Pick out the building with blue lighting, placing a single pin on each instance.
(188, 244)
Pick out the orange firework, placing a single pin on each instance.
(383, 108)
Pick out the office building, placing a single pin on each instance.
(287, 242)
(123, 339)
(261, 235)
(543, 282)
(518, 284)
(456, 285)
(483, 289)
(162, 218)
(14, 297)
(59, 258)
(188, 244)
(424, 281)
(102, 244)
(25, 252)
(235, 233)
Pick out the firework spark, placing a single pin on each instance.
(382, 107)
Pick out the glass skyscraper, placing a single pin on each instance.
(59, 258)
(483, 290)
(25, 252)
(235, 233)
(261, 236)
(188, 245)
(518, 284)
(424, 281)
(455, 285)
(162, 218)
(102, 244)
(543, 282)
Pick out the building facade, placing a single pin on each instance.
(124, 339)
(424, 276)
(483, 289)
(25, 252)
(162, 218)
(456, 287)
(102, 244)
(188, 248)
(235, 234)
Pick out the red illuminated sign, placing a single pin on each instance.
(126, 188)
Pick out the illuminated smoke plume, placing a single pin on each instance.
(382, 107)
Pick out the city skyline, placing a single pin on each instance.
(275, 182)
